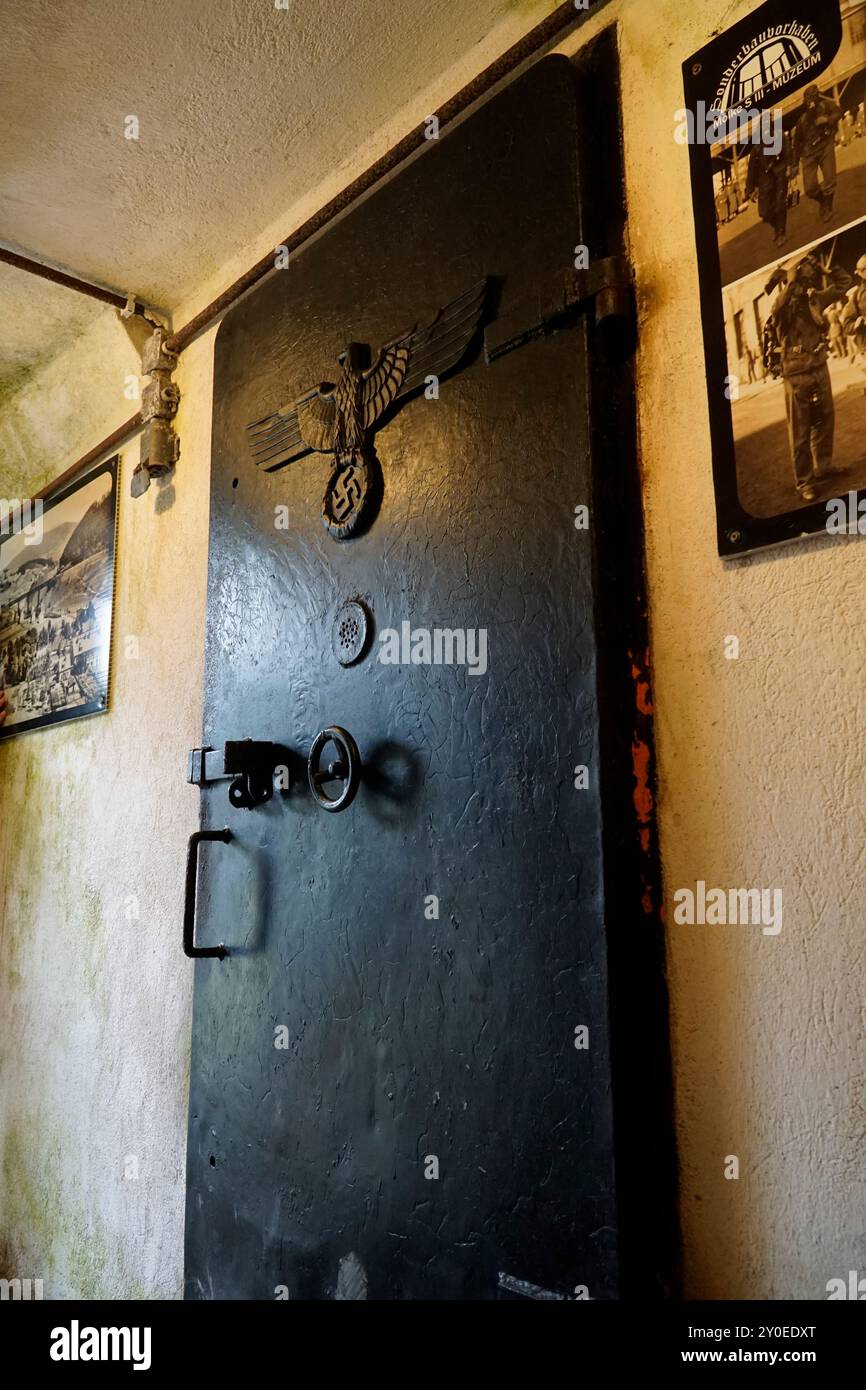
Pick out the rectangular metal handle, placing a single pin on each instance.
(189, 946)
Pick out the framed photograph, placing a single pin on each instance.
(56, 603)
(776, 121)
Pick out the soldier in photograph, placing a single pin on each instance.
(749, 365)
(853, 317)
(767, 180)
(815, 148)
(800, 329)
(836, 333)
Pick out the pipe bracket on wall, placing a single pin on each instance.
(160, 446)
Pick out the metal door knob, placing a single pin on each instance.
(345, 768)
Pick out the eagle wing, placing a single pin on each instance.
(317, 418)
(295, 430)
(441, 346)
(402, 367)
(384, 379)
(404, 364)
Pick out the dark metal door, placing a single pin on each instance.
(389, 1093)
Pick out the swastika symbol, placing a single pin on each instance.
(347, 492)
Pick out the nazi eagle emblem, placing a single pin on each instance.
(339, 417)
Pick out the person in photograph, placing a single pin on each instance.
(801, 333)
(843, 134)
(723, 205)
(770, 352)
(767, 180)
(853, 317)
(749, 365)
(835, 331)
(815, 149)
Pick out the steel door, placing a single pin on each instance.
(390, 1093)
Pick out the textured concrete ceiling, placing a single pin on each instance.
(241, 106)
(36, 316)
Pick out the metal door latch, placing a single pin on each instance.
(252, 766)
(553, 298)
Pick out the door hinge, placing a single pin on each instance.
(552, 299)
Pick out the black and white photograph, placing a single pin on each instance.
(796, 343)
(56, 597)
(809, 177)
(779, 197)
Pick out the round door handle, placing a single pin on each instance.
(345, 768)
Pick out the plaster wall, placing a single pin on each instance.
(762, 763)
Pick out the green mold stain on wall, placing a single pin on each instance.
(30, 1205)
(88, 1262)
(17, 920)
(48, 1233)
(19, 844)
(87, 916)
(91, 915)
